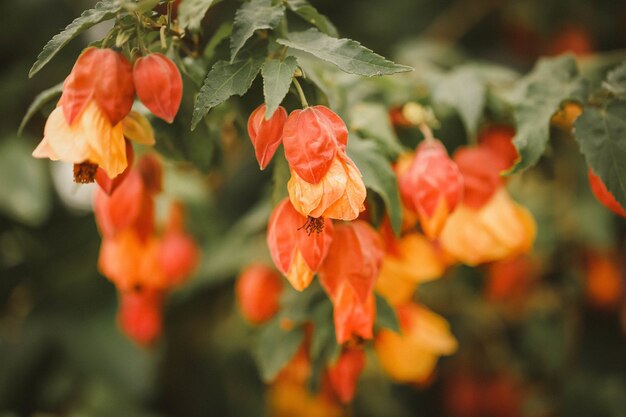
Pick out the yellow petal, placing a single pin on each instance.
(350, 204)
(138, 129)
(299, 274)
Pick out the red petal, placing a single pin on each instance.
(159, 85)
(114, 89)
(266, 135)
(481, 174)
(344, 375)
(140, 315)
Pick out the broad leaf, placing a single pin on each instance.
(191, 13)
(254, 15)
(350, 56)
(601, 133)
(277, 76)
(464, 91)
(103, 10)
(377, 176)
(386, 315)
(39, 101)
(305, 10)
(372, 121)
(223, 81)
(552, 82)
(616, 81)
(276, 347)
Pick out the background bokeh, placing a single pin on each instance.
(543, 337)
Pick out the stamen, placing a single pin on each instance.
(85, 173)
(313, 224)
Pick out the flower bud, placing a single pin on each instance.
(344, 375)
(140, 315)
(266, 135)
(159, 85)
(258, 290)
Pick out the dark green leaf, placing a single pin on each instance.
(103, 10)
(191, 13)
(385, 315)
(39, 101)
(218, 37)
(254, 15)
(601, 134)
(616, 81)
(372, 121)
(552, 82)
(276, 81)
(223, 81)
(276, 347)
(464, 91)
(305, 10)
(350, 56)
(377, 176)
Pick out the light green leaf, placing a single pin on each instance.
(552, 82)
(276, 81)
(616, 81)
(103, 10)
(39, 101)
(463, 90)
(254, 15)
(276, 347)
(350, 56)
(223, 81)
(385, 315)
(377, 176)
(601, 134)
(191, 13)
(24, 187)
(305, 10)
(372, 121)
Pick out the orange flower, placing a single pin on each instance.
(85, 127)
(431, 186)
(140, 315)
(348, 276)
(344, 374)
(297, 250)
(498, 230)
(604, 196)
(604, 280)
(412, 355)
(266, 135)
(159, 85)
(481, 173)
(258, 290)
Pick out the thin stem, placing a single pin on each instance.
(142, 47)
(305, 104)
(426, 131)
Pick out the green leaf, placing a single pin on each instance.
(616, 81)
(39, 101)
(280, 177)
(223, 81)
(24, 186)
(254, 15)
(276, 347)
(222, 33)
(191, 13)
(305, 10)
(552, 82)
(276, 81)
(463, 90)
(377, 176)
(385, 315)
(103, 10)
(350, 56)
(601, 134)
(372, 121)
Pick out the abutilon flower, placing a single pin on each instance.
(159, 85)
(266, 135)
(481, 174)
(604, 196)
(412, 355)
(431, 186)
(499, 140)
(85, 127)
(324, 180)
(258, 290)
(297, 252)
(348, 276)
(140, 315)
(344, 374)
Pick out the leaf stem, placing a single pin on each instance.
(305, 104)
(426, 131)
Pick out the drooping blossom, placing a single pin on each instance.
(159, 85)
(266, 135)
(297, 250)
(258, 290)
(140, 315)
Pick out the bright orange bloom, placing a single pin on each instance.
(297, 250)
(431, 186)
(266, 135)
(603, 195)
(85, 127)
(344, 374)
(348, 276)
(258, 290)
(412, 355)
(140, 315)
(498, 230)
(159, 85)
(604, 280)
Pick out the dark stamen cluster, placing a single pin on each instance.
(85, 173)
(313, 224)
